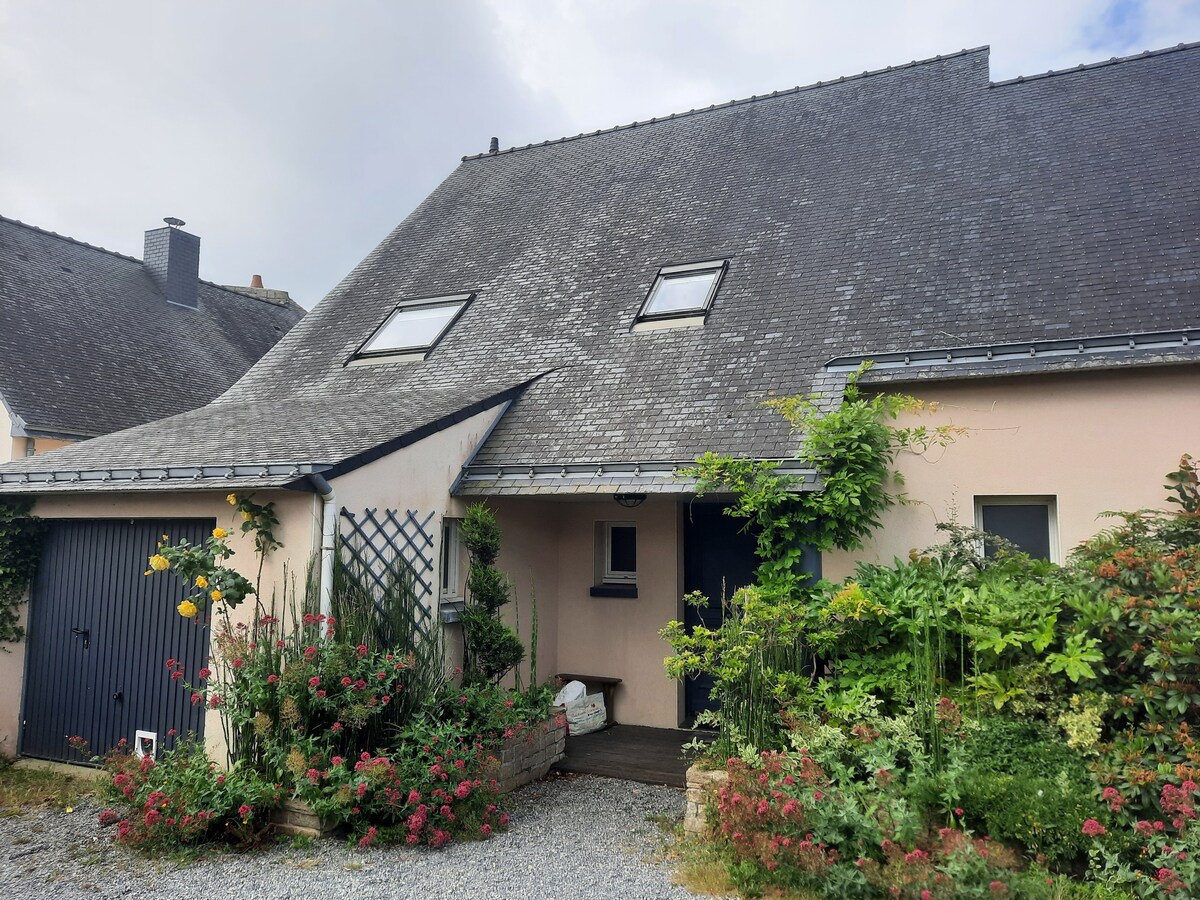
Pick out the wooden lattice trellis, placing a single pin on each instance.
(378, 543)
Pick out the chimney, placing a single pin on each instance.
(258, 292)
(172, 257)
(494, 146)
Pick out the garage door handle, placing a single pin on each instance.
(84, 633)
(119, 695)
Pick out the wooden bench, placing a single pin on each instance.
(607, 686)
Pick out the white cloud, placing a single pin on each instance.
(293, 135)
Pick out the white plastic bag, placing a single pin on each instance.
(586, 715)
(572, 692)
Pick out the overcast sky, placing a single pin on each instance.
(292, 136)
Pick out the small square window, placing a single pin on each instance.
(682, 294)
(413, 328)
(616, 560)
(620, 553)
(1031, 523)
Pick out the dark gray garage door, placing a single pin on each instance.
(100, 633)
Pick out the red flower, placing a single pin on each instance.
(272, 678)
(204, 673)
(245, 810)
(238, 663)
(1092, 828)
(314, 681)
(336, 727)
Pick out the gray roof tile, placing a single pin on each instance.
(913, 208)
(88, 344)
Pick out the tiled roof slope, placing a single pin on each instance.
(88, 344)
(920, 207)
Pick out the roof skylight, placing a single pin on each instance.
(681, 295)
(413, 328)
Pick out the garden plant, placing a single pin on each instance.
(352, 713)
(967, 722)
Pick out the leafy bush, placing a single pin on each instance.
(1021, 783)
(184, 798)
(492, 648)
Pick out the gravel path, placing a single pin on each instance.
(584, 837)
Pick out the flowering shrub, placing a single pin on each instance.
(1155, 857)
(783, 822)
(436, 783)
(183, 798)
(201, 568)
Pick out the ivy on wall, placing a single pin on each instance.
(20, 550)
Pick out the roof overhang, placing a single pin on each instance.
(1109, 351)
(214, 478)
(604, 478)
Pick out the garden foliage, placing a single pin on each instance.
(354, 714)
(954, 724)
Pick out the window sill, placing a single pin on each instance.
(615, 590)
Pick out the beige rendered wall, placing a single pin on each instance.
(1094, 442)
(299, 516)
(419, 477)
(613, 636)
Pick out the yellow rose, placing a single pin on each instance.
(216, 595)
(188, 609)
(247, 515)
(201, 581)
(219, 533)
(232, 499)
(158, 562)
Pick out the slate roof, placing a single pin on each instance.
(905, 209)
(88, 344)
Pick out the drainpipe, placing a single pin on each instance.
(328, 544)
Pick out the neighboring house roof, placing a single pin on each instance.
(89, 345)
(908, 209)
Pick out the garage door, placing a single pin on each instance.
(100, 633)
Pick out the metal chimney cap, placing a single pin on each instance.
(494, 145)
(174, 222)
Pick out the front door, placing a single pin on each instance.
(718, 558)
(99, 636)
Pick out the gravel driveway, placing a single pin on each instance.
(569, 837)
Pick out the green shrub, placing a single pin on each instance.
(183, 798)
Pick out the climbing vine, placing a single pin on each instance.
(853, 447)
(20, 550)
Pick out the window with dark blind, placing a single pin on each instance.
(1029, 523)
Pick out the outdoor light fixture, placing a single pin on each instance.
(629, 501)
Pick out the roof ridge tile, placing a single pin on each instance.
(754, 98)
(1102, 64)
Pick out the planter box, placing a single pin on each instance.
(528, 754)
(297, 818)
(702, 784)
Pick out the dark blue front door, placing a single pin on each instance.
(718, 558)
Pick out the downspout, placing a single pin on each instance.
(328, 545)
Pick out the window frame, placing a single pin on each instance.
(362, 356)
(1050, 501)
(609, 574)
(694, 315)
(450, 586)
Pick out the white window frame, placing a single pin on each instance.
(1050, 501)
(414, 353)
(611, 575)
(682, 318)
(450, 567)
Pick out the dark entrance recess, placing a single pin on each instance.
(718, 558)
(100, 633)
